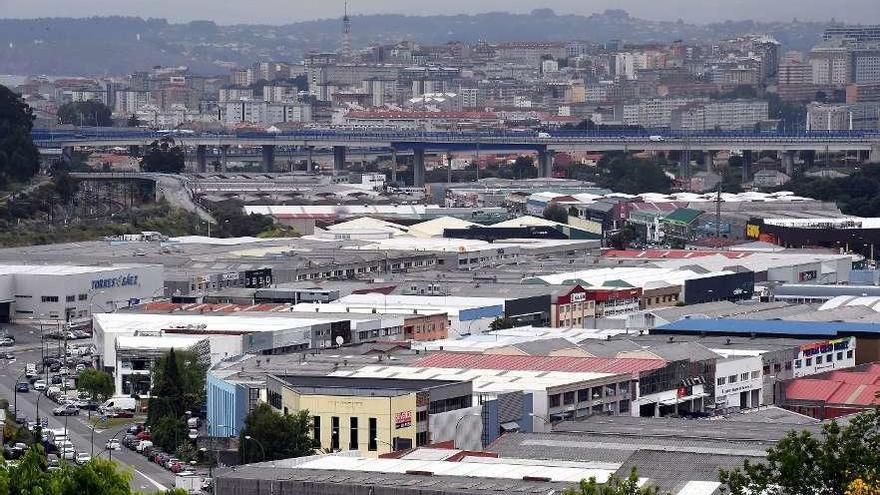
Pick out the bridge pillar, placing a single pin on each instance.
(268, 158)
(809, 157)
(394, 165)
(788, 163)
(874, 157)
(202, 157)
(224, 150)
(338, 158)
(418, 167)
(545, 163)
(310, 164)
(747, 166)
(67, 156)
(709, 160)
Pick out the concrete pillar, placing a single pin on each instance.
(224, 150)
(809, 157)
(268, 158)
(393, 164)
(747, 166)
(310, 165)
(67, 156)
(338, 158)
(874, 157)
(709, 160)
(788, 163)
(418, 167)
(545, 163)
(202, 158)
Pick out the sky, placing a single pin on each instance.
(286, 11)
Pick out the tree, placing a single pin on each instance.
(861, 487)
(133, 121)
(524, 168)
(615, 485)
(178, 385)
(98, 384)
(556, 213)
(164, 157)
(91, 113)
(501, 323)
(622, 238)
(281, 435)
(233, 222)
(168, 432)
(19, 157)
(801, 464)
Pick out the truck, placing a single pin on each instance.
(121, 402)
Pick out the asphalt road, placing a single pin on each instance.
(146, 476)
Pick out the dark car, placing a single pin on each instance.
(56, 379)
(23, 387)
(55, 367)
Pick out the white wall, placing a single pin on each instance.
(131, 282)
(727, 394)
(468, 433)
(841, 351)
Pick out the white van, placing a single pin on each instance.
(121, 402)
(143, 444)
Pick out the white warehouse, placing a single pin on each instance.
(70, 293)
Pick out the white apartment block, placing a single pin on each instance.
(723, 115)
(831, 65)
(655, 112)
(129, 102)
(263, 112)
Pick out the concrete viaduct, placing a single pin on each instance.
(417, 143)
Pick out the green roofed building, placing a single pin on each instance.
(680, 224)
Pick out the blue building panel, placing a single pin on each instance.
(481, 312)
(227, 406)
(776, 328)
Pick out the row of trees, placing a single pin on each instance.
(30, 476)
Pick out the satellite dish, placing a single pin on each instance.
(339, 340)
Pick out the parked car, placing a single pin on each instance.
(64, 370)
(82, 458)
(40, 385)
(143, 445)
(55, 366)
(56, 379)
(7, 342)
(112, 444)
(66, 410)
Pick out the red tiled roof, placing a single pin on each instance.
(671, 254)
(539, 363)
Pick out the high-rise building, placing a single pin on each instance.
(854, 33)
(831, 64)
(866, 65)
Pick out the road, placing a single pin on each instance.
(146, 476)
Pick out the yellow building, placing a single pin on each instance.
(373, 416)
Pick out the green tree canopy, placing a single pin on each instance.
(501, 323)
(801, 464)
(281, 435)
(30, 477)
(178, 386)
(556, 213)
(19, 158)
(89, 113)
(622, 173)
(615, 485)
(233, 222)
(163, 156)
(99, 384)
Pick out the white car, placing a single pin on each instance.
(64, 370)
(82, 458)
(68, 454)
(40, 385)
(113, 444)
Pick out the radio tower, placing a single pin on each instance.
(346, 35)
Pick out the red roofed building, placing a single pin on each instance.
(834, 394)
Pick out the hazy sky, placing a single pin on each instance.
(283, 11)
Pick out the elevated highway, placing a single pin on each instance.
(418, 142)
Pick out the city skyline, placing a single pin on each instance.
(278, 12)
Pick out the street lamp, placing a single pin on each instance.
(386, 443)
(457, 423)
(15, 393)
(262, 450)
(546, 420)
(94, 425)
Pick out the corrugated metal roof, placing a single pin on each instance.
(539, 363)
(811, 389)
(768, 327)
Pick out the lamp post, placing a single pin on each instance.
(110, 451)
(262, 450)
(543, 418)
(457, 423)
(386, 443)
